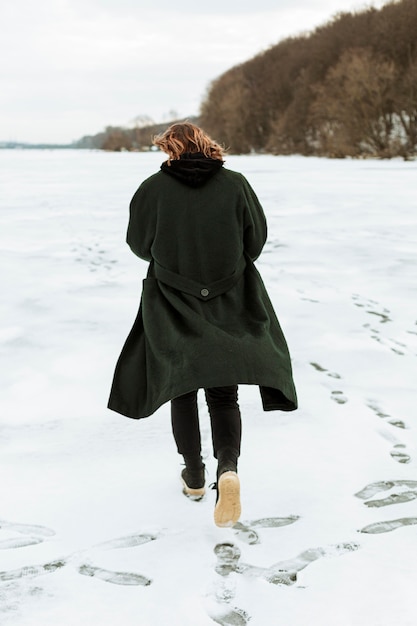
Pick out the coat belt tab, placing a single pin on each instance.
(194, 288)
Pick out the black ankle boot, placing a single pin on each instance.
(193, 477)
(226, 461)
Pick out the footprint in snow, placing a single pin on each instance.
(130, 541)
(399, 451)
(394, 345)
(285, 572)
(388, 526)
(399, 454)
(281, 573)
(235, 617)
(94, 256)
(405, 491)
(34, 535)
(86, 569)
(117, 578)
(319, 368)
(372, 307)
(395, 498)
(19, 542)
(382, 315)
(412, 332)
(383, 485)
(337, 395)
(372, 404)
(32, 571)
(245, 531)
(306, 298)
(228, 557)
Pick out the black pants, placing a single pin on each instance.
(226, 426)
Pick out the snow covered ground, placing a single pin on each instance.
(93, 525)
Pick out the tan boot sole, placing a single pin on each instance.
(228, 509)
(194, 494)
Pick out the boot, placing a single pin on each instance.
(226, 461)
(227, 510)
(193, 477)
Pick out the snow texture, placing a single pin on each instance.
(94, 527)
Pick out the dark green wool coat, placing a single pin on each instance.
(205, 318)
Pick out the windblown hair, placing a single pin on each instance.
(186, 137)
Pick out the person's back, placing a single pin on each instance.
(199, 231)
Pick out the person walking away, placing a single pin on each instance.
(205, 319)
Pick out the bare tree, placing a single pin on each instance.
(353, 111)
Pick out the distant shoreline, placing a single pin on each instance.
(14, 145)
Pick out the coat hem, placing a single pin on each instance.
(287, 403)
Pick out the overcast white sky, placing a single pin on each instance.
(70, 67)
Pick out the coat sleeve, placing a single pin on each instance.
(255, 227)
(142, 224)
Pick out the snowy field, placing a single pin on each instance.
(94, 528)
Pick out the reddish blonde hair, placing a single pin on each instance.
(186, 137)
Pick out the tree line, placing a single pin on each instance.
(347, 89)
(117, 138)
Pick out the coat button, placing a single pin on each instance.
(204, 292)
